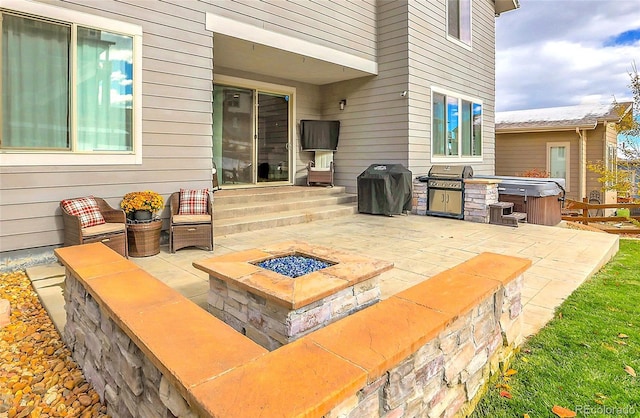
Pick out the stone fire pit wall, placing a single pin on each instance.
(273, 309)
(427, 351)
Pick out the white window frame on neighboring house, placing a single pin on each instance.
(454, 151)
(123, 153)
(459, 19)
(611, 160)
(567, 161)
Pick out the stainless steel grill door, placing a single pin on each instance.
(437, 200)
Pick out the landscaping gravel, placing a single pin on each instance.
(38, 377)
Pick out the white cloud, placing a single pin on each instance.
(553, 53)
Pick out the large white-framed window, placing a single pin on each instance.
(456, 127)
(459, 21)
(558, 159)
(71, 87)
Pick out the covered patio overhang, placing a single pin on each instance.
(245, 47)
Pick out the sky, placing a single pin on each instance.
(566, 52)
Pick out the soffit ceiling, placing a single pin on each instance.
(235, 53)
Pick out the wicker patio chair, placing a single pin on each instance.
(190, 230)
(112, 232)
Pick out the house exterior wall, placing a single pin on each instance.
(374, 124)
(511, 147)
(379, 125)
(343, 25)
(596, 151)
(435, 61)
(519, 152)
(176, 122)
(407, 39)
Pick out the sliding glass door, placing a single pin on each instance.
(273, 138)
(233, 134)
(251, 136)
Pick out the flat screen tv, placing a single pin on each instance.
(319, 134)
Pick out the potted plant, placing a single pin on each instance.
(142, 206)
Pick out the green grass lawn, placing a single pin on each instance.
(578, 360)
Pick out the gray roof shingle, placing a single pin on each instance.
(565, 117)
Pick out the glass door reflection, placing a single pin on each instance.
(235, 141)
(273, 138)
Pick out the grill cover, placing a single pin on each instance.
(384, 189)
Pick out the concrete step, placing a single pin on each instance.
(259, 221)
(270, 194)
(235, 210)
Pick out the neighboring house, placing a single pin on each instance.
(632, 168)
(561, 141)
(106, 97)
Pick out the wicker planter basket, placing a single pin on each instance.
(144, 238)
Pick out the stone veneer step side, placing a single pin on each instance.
(330, 366)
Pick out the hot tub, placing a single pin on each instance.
(540, 198)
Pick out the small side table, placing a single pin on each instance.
(144, 238)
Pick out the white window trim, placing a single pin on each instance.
(30, 158)
(270, 88)
(567, 161)
(458, 158)
(453, 38)
(611, 165)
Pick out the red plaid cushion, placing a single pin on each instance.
(193, 202)
(86, 208)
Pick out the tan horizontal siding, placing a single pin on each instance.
(177, 73)
(440, 62)
(374, 125)
(343, 25)
(516, 153)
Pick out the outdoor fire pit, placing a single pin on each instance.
(293, 266)
(277, 294)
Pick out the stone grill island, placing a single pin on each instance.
(274, 309)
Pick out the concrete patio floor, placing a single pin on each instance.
(419, 246)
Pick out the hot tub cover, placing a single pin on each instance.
(529, 186)
(384, 189)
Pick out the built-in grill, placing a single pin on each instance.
(445, 190)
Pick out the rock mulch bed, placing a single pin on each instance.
(38, 377)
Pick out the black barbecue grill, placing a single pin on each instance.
(384, 189)
(445, 190)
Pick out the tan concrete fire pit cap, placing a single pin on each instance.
(240, 269)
